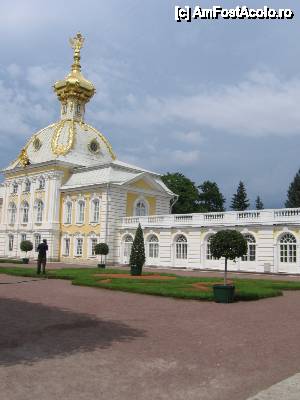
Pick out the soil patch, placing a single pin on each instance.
(142, 277)
(105, 281)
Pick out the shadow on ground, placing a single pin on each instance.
(30, 332)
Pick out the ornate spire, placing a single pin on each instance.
(77, 44)
(74, 91)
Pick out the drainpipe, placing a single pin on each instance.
(107, 214)
(173, 202)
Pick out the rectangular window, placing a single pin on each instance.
(10, 243)
(66, 247)
(23, 237)
(79, 247)
(93, 244)
(37, 241)
(68, 214)
(80, 218)
(95, 211)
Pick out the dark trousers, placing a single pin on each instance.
(41, 263)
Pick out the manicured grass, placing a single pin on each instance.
(180, 287)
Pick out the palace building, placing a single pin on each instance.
(67, 186)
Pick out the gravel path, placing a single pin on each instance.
(59, 341)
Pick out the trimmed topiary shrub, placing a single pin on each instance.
(137, 256)
(102, 249)
(229, 244)
(26, 245)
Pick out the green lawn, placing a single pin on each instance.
(180, 287)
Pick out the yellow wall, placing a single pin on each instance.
(85, 229)
(72, 228)
(132, 197)
(141, 184)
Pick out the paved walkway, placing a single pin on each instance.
(289, 389)
(59, 341)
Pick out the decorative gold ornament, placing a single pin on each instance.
(60, 149)
(75, 86)
(77, 43)
(104, 140)
(23, 158)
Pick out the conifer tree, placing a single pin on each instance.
(293, 194)
(137, 256)
(259, 205)
(240, 201)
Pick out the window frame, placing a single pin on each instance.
(80, 212)
(251, 248)
(39, 211)
(181, 247)
(288, 249)
(153, 246)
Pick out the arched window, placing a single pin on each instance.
(80, 212)
(141, 208)
(39, 210)
(128, 240)
(288, 248)
(251, 252)
(37, 241)
(15, 187)
(27, 186)
(95, 208)
(12, 212)
(153, 246)
(181, 247)
(41, 183)
(25, 212)
(208, 251)
(10, 242)
(68, 212)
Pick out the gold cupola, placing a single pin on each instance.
(74, 91)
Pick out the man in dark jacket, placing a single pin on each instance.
(42, 257)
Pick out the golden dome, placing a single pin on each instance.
(75, 86)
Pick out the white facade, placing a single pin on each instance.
(183, 240)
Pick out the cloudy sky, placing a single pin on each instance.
(212, 99)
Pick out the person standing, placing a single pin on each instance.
(42, 257)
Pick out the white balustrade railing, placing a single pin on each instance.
(290, 215)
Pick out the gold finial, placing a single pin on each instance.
(76, 44)
(23, 158)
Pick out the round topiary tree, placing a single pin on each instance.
(101, 249)
(26, 245)
(229, 244)
(137, 256)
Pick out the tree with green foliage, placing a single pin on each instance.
(26, 245)
(210, 197)
(229, 244)
(186, 190)
(259, 205)
(240, 201)
(102, 249)
(137, 256)
(293, 194)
